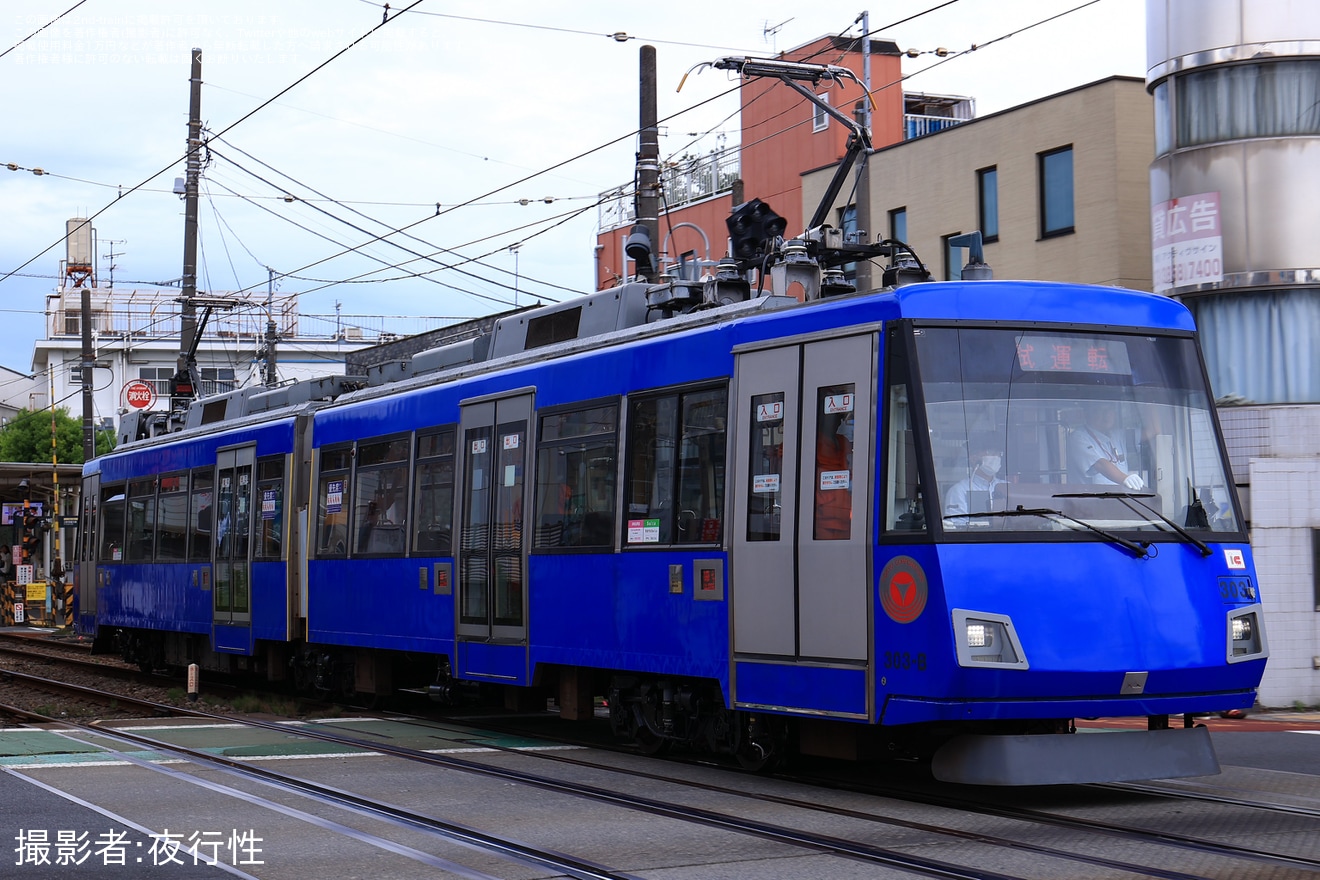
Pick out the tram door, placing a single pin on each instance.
(492, 543)
(87, 544)
(802, 535)
(231, 548)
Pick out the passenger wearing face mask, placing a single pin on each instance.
(980, 485)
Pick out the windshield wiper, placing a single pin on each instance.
(1129, 499)
(1141, 551)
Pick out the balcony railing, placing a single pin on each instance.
(914, 125)
(682, 181)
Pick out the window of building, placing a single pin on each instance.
(898, 224)
(270, 501)
(1056, 192)
(199, 548)
(952, 257)
(987, 203)
(332, 500)
(158, 378)
(1267, 99)
(675, 484)
(433, 491)
(172, 518)
(575, 483)
(380, 492)
(820, 120)
(217, 380)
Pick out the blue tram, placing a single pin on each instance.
(942, 520)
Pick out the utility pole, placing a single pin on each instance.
(648, 160)
(863, 281)
(271, 375)
(188, 311)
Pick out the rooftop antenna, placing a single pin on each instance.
(110, 257)
(770, 31)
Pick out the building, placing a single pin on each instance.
(781, 135)
(1058, 188)
(135, 341)
(1233, 190)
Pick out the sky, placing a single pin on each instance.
(486, 131)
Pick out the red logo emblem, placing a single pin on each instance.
(903, 590)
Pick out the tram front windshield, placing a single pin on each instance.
(1070, 430)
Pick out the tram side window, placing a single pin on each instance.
(172, 518)
(676, 464)
(199, 515)
(270, 498)
(433, 514)
(380, 491)
(332, 499)
(575, 478)
(112, 523)
(141, 520)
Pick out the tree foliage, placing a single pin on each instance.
(27, 437)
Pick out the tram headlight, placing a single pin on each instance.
(983, 638)
(1246, 635)
(981, 635)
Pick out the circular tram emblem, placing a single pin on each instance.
(903, 590)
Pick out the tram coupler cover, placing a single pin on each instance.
(1072, 758)
(194, 680)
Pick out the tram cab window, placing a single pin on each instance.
(905, 509)
(676, 462)
(141, 516)
(1113, 429)
(332, 502)
(380, 491)
(433, 491)
(200, 515)
(575, 478)
(112, 523)
(270, 507)
(172, 518)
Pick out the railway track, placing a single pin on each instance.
(1089, 841)
(886, 804)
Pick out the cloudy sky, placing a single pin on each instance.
(330, 127)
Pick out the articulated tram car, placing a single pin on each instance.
(943, 520)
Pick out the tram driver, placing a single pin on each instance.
(1096, 451)
(980, 490)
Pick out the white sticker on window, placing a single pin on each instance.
(838, 403)
(479, 446)
(763, 483)
(643, 531)
(835, 480)
(511, 441)
(510, 474)
(770, 412)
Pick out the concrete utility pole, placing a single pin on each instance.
(648, 158)
(188, 312)
(864, 282)
(272, 375)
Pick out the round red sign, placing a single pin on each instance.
(139, 395)
(903, 589)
